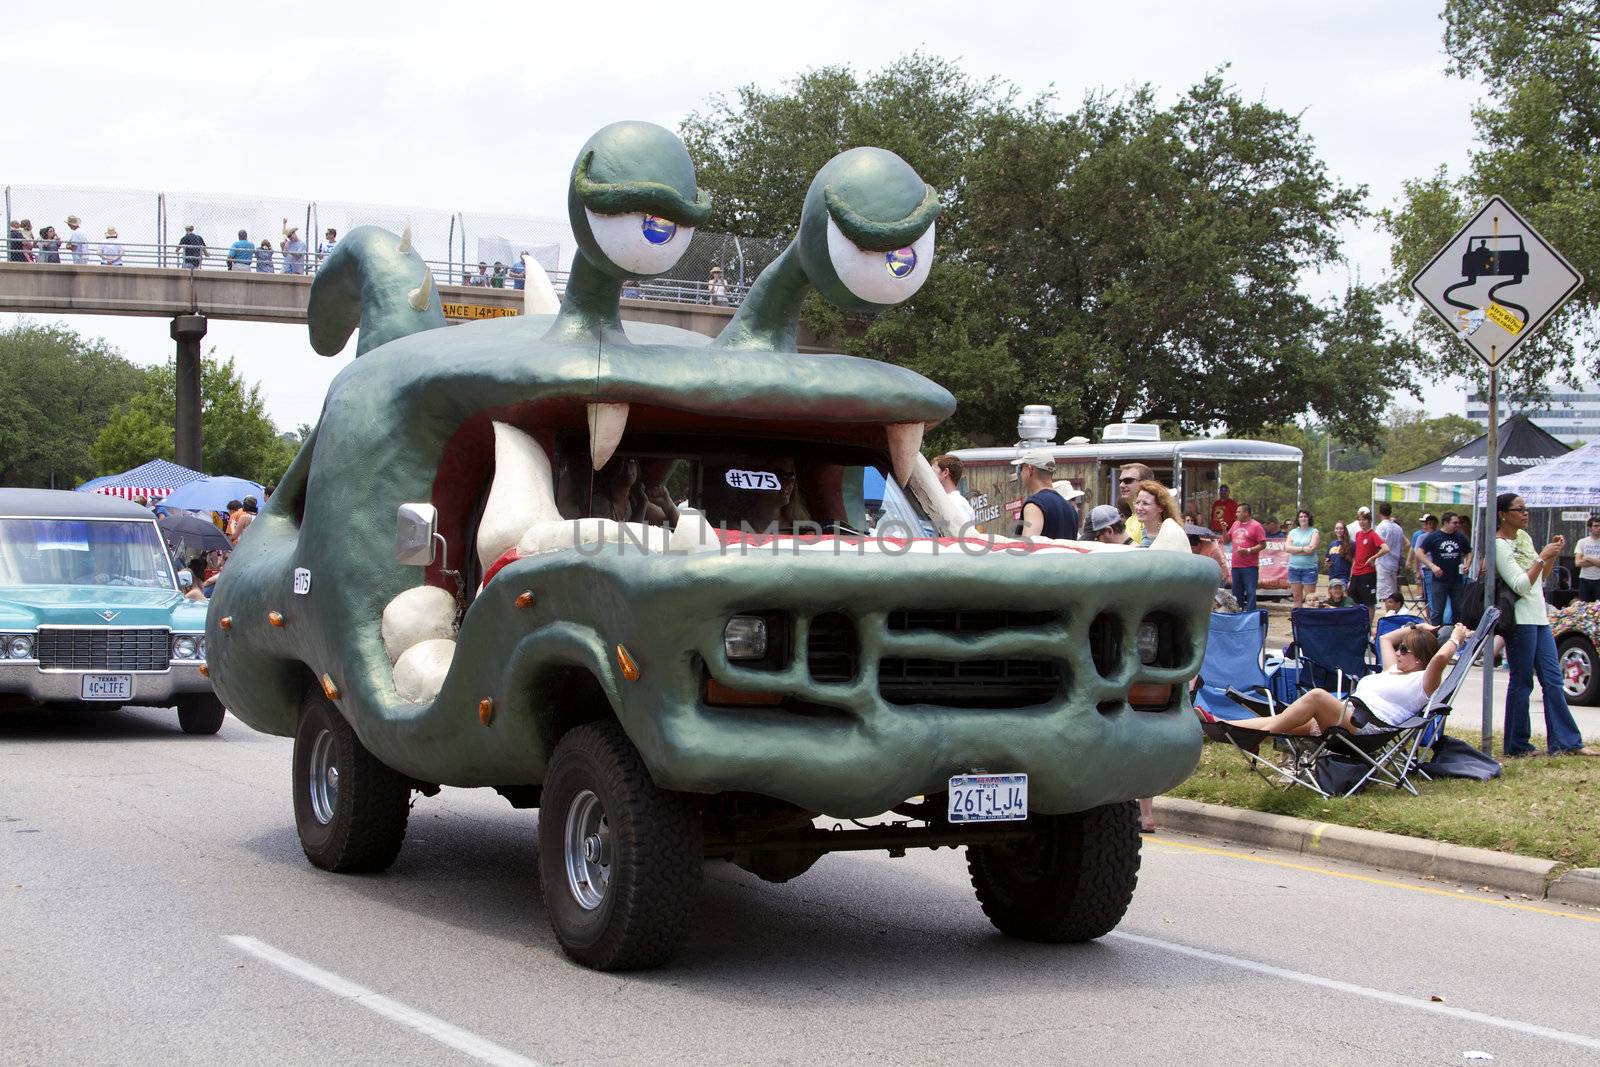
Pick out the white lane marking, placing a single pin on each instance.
(1531, 1029)
(461, 1040)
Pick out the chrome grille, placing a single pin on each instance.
(94, 649)
(968, 683)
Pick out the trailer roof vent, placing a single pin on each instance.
(1132, 431)
(1036, 426)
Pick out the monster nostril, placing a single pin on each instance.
(1105, 644)
(1109, 707)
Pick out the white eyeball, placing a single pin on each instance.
(639, 243)
(880, 277)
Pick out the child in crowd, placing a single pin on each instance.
(1393, 605)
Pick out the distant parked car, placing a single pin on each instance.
(91, 609)
(1577, 630)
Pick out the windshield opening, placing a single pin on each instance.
(763, 484)
(93, 552)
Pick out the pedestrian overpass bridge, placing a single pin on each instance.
(169, 292)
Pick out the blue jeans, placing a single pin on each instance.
(1244, 586)
(1532, 651)
(1425, 579)
(1442, 595)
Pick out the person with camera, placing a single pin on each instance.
(1530, 645)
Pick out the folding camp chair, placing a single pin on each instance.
(1331, 647)
(1388, 757)
(1234, 659)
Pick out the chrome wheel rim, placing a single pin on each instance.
(323, 777)
(1577, 669)
(587, 849)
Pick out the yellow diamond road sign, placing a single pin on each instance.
(1496, 281)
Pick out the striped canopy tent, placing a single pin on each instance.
(154, 481)
(1453, 479)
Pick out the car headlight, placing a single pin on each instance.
(1149, 642)
(745, 637)
(18, 646)
(186, 646)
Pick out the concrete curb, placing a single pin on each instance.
(1537, 879)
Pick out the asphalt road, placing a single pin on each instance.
(155, 908)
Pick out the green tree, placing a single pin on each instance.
(58, 391)
(1538, 145)
(1120, 261)
(237, 437)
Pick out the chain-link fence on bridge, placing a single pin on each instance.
(145, 229)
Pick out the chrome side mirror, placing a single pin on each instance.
(415, 527)
(186, 579)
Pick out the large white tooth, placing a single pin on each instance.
(422, 613)
(405, 239)
(421, 670)
(693, 533)
(924, 485)
(538, 295)
(905, 445)
(606, 423)
(1171, 537)
(523, 493)
(569, 533)
(420, 297)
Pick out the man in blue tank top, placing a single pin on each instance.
(1045, 513)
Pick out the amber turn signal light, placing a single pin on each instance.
(630, 669)
(226, 622)
(329, 690)
(485, 711)
(275, 618)
(1147, 695)
(525, 599)
(719, 695)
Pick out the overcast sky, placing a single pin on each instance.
(481, 107)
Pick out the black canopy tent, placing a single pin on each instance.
(1453, 479)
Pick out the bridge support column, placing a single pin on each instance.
(188, 330)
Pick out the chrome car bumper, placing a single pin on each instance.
(157, 688)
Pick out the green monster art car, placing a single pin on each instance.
(628, 588)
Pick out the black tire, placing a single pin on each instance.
(359, 823)
(1580, 679)
(633, 906)
(1072, 882)
(201, 714)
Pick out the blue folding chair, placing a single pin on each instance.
(1233, 660)
(1332, 647)
(1388, 624)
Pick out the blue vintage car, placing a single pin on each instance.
(90, 609)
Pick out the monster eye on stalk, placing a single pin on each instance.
(880, 277)
(638, 242)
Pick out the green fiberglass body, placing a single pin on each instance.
(648, 558)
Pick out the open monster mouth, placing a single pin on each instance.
(562, 474)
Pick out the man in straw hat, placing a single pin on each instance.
(77, 241)
(110, 249)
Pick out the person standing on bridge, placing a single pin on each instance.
(191, 249)
(265, 262)
(294, 250)
(49, 245)
(110, 249)
(330, 237)
(15, 253)
(77, 241)
(241, 253)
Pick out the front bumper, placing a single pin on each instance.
(155, 688)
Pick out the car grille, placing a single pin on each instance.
(103, 649)
(833, 654)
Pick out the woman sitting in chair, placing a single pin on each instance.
(1414, 663)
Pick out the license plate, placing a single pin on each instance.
(108, 687)
(988, 797)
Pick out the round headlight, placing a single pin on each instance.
(200, 651)
(1149, 642)
(184, 646)
(19, 646)
(745, 637)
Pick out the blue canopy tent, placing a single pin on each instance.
(154, 481)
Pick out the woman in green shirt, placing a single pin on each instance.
(1530, 646)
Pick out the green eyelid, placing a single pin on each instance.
(656, 198)
(876, 236)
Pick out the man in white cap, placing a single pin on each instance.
(1072, 497)
(1044, 513)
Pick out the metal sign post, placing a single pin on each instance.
(1465, 285)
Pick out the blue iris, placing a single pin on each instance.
(901, 262)
(657, 230)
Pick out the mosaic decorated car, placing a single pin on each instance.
(633, 586)
(1577, 632)
(90, 609)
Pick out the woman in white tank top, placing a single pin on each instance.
(1414, 663)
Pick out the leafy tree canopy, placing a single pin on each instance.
(237, 437)
(60, 388)
(1123, 260)
(1538, 145)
